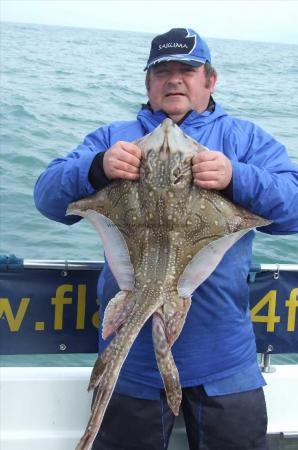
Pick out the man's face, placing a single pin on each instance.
(177, 88)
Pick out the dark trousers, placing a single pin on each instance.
(227, 422)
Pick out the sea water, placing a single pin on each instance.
(60, 83)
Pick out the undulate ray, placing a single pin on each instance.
(162, 238)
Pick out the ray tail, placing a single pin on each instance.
(109, 366)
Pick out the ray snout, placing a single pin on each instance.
(169, 129)
(176, 141)
(167, 139)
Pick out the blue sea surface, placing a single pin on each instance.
(60, 83)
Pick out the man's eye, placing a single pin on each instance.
(189, 69)
(160, 72)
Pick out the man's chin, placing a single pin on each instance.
(176, 114)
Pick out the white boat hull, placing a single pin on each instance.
(48, 407)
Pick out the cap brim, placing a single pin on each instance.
(178, 58)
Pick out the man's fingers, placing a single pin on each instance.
(122, 160)
(211, 170)
(211, 175)
(208, 166)
(129, 157)
(131, 149)
(132, 167)
(210, 184)
(124, 175)
(208, 155)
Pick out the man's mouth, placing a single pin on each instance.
(175, 94)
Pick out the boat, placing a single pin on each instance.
(44, 311)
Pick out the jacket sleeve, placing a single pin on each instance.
(265, 181)
(66, 179)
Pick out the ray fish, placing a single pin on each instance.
(162, 236)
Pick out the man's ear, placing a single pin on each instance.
(213, 81)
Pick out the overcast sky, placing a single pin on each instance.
(258, 20)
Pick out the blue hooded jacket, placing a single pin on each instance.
(217, 340)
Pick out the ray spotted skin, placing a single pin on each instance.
(163, 236)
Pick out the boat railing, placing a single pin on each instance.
(51, 306)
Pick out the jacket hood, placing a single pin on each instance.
(150, 120)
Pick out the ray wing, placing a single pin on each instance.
(226, 223)
(102, 211)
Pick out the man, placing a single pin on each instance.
(223, 402)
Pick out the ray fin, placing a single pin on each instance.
(175, 310)
(205, 262)
(115, 248)
(117, 312)
(166, 363)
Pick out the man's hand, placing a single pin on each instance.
(211, 170)
(122, 160)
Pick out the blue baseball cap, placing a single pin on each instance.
(179, 44)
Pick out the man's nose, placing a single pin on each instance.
(175, 77)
